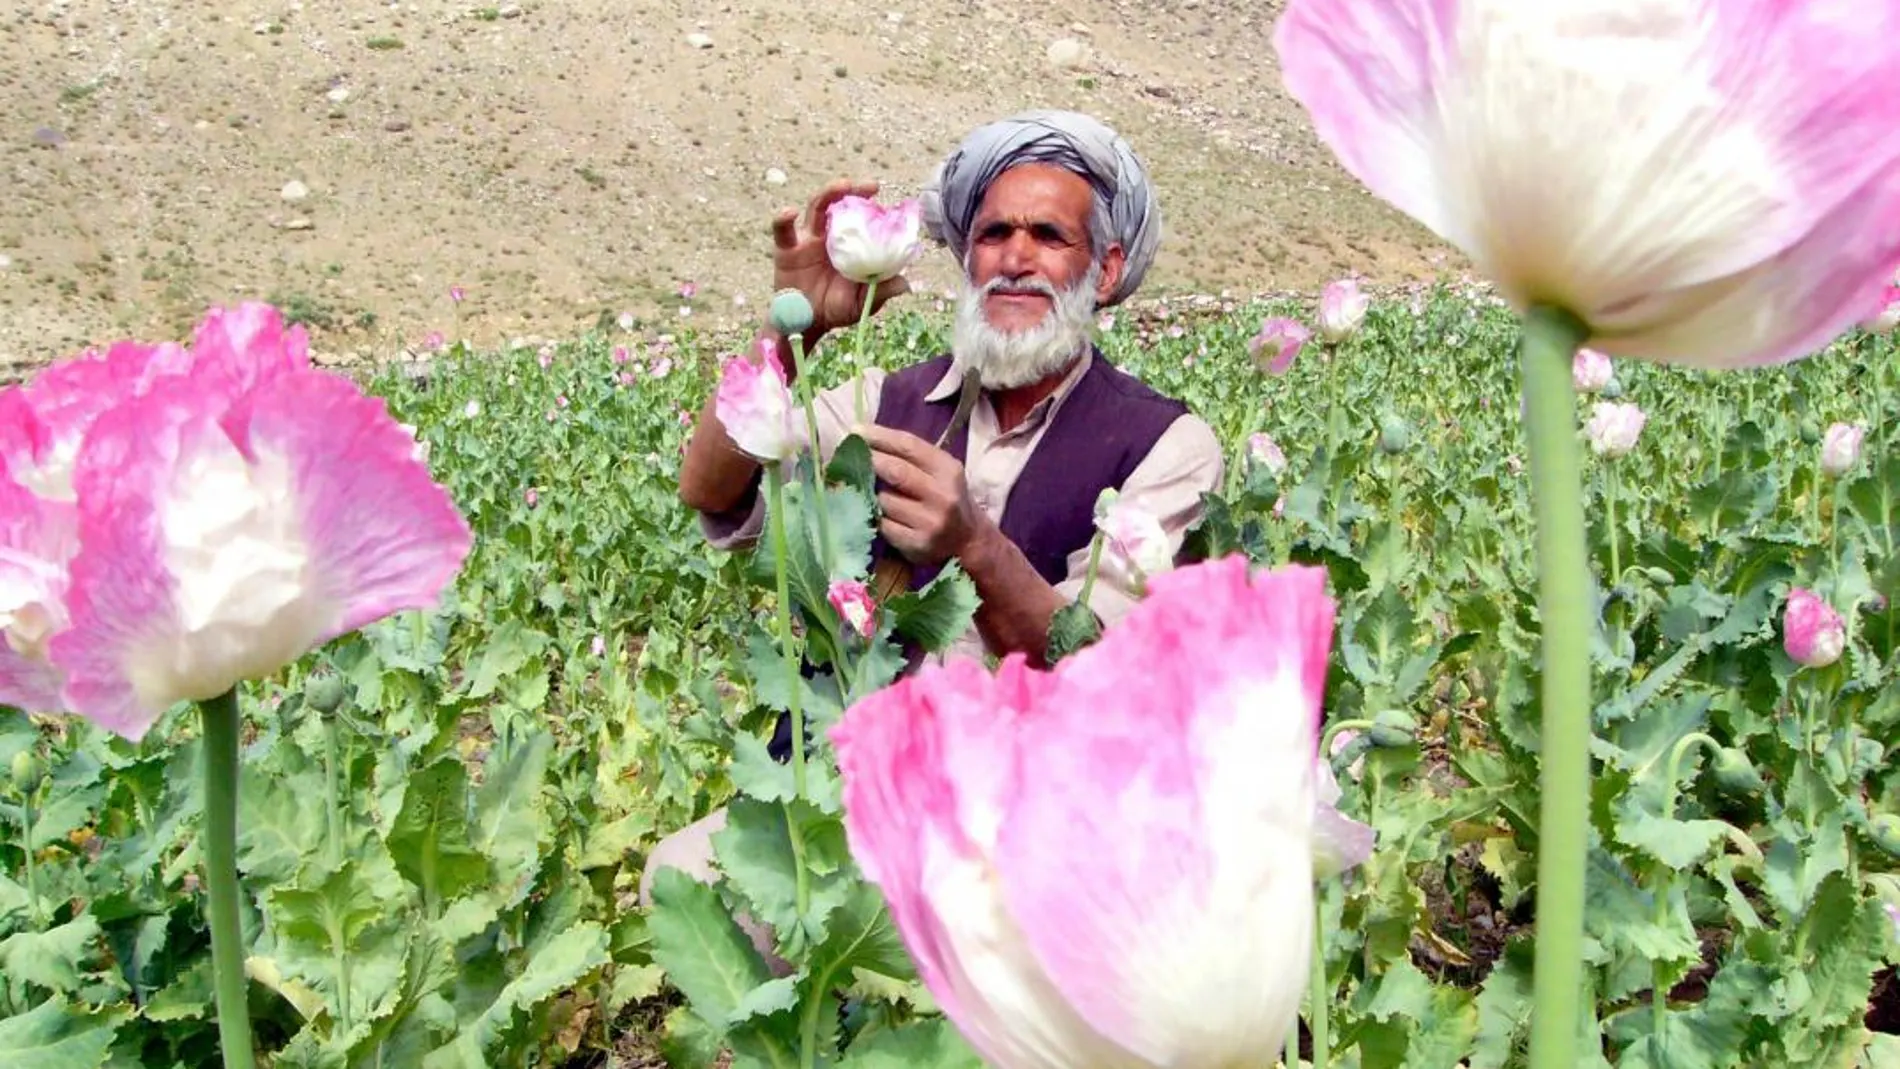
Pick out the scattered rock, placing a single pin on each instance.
(1068, 54)
(774, 176)
(699, 40)
(1161, 91)
(47, 137)
(294, 191)
(300, 223)
(396, 126)
(338, 95)
(509, 11)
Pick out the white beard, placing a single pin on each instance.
(1005, 360)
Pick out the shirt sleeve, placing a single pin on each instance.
(836, 410)
(1185, 463)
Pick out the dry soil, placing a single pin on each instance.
(561, 162)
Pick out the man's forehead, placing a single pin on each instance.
(1034, 193)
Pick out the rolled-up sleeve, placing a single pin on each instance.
(836, 412)
(1185, 463)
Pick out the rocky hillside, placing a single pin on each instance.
(354, 160)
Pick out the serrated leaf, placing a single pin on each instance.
(774, 996)
(1678, 844)
(939, 614)
(510, 817)
(932, 1044)
(756, 775)
(703, 950)
(1073, 627)
(851, 466)
(1504, 1010)
(429, 840)
(860, 935)
(59, 1035)
(510, 649)
(560, 964)
(54, 958)
(755, 852)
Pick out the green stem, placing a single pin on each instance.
(1333, 730)
(1318, 994)
(221, 722)
(1095, 561)
(1551, 338)
(1609, 507)
(802, 387)
(863, 347)
(331, 796)
(775, 503)
(1658, 992)
(26, 847)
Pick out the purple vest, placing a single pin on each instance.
(1102, 432)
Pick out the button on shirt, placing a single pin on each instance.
(1185, 462)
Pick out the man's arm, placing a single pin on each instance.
(1018, 603)
(1185, 463)
(928, 514)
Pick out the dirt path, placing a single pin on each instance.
(561, 162)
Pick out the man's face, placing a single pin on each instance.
(1032, 282)
(1031, 237)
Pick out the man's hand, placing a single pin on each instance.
(799, 262)
(928, 514)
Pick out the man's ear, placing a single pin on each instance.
(1113, 262)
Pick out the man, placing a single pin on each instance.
(1052, 217)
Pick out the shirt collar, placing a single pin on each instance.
(952, 383)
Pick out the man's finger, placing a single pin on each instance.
(785, 228)
(896, 286)
(903, 511)
(899, 474)
(834, 190)
(896, 443)
(905, 538)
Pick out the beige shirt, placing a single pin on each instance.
(1185, 462)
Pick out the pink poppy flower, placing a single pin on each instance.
(1278, 342)
(869, 242)
(1727, 187)
(1813, 634)
(1342, 308)
(231, 508)
(1111, 863)
(851, 600)
(755, 405)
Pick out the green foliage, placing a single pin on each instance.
(444, 819)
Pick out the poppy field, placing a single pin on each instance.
(443, 817)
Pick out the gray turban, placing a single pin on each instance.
(1066, 139)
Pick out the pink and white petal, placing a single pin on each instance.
(236, 350)
(1159, 858)
(382, 535)
(926, 764)
(37, 540)
(121, 597)
(1339, 842)
(1781, 310)
(1368, 76)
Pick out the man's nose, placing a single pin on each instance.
(1019, 258)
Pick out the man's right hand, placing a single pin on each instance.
(799, 262)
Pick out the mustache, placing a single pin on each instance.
(1018, 287)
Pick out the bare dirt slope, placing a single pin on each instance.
(353, 160)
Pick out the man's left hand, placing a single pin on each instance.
(928, 514)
